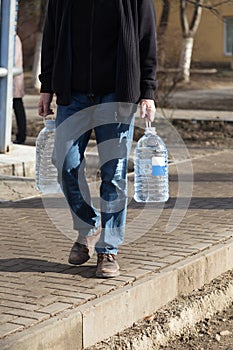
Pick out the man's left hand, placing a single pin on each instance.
(148, 109)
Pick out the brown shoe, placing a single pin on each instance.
(79, 254)
(107, 266)
(83, 250)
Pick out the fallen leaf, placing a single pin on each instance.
(149, 318)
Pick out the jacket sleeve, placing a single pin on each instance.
(147, 48)
(48, 47)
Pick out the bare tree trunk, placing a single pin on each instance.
(186, 58)
(37, 54)
(162, 28)
(188, 32)
(232, 57)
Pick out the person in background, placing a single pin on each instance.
(18, 94)
(94, 53)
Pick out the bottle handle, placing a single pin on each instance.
(148, 124)
(44, 118)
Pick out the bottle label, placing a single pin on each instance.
(158, 166)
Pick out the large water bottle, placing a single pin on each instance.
(151, 168)
(46, 172)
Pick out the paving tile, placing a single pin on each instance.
(6, 318)
(53, 308)
(18, 305)
(25, 313)
(8, 328)
(24, 321)
(76, 295)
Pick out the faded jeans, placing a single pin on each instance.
(114, 139)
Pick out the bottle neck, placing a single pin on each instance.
(50, 124)
(150, 131)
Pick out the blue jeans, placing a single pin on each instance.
(114, 139)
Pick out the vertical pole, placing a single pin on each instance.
(232, 56)
(7, 31)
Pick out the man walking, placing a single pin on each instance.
(96, 52)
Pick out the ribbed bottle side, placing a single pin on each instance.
(46, 172)
(148, 187)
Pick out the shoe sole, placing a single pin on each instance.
(75, 262)
(107, 275)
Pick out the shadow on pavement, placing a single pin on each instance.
(202, 177)
(178, 202)
(38, 265)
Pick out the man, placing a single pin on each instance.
(18, 105)
(97, 52)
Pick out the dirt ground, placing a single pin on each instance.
(204, 133)
(216, 91)
(211, 334)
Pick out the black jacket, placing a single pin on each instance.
(136, 52)
(94, 38)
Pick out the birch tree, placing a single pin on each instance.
(161, 31)
(188, 32)
(189, 29)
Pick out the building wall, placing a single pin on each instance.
(209, 40)
(210, 37)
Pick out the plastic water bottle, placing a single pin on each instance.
(46, 172)
(151, 168)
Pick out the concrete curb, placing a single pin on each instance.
(19, 162)
(16, 178)
(58, 333)
(121, 309)
(152, 335)
(118, 310)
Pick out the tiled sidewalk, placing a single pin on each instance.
(37, 284)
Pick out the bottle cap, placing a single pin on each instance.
(150, 130)
(49, 122)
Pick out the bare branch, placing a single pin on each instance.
(212, 7)
(183, 17)
(196, 17)
(164, 18)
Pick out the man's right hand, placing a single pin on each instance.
(44, 107)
